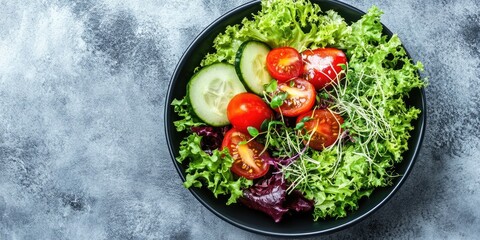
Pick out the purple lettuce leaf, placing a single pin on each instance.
(297, 202)
(270, 196)
(212, 137)
(267, 196)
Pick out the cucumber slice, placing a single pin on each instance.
(250, 64)
(210, 90)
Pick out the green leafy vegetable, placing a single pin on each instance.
(186, 114)
(252, 131)
(211, 170)
(277, 100)
(271, 87)
(298, 24)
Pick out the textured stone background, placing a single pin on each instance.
(82, 147)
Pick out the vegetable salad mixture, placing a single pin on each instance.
(297, 110)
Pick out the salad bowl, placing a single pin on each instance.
(298, 225)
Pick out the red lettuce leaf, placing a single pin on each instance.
(270, 196)
(212, 137)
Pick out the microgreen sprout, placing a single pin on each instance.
(252, 131)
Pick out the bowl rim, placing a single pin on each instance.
(168, 113)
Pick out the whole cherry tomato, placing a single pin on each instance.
(247, 110)
(322, 66)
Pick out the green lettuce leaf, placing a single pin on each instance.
(298, 24)
(212, 171)
(187, 117)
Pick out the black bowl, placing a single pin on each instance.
(255, 221)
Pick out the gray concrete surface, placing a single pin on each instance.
(82, 147)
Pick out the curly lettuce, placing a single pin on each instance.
(298, 24)
(213, 171)
(187, 117)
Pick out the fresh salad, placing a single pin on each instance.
(297, 110)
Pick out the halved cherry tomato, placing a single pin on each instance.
(247, 109)
(300, 97)
(284, 63)
(322, 65)
(247, 160)
(325, 126)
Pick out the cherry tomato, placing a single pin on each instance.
(247, 160)
(300, 97)
(322, 66)
(247, 109)
(284, 63)
(325, 126)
